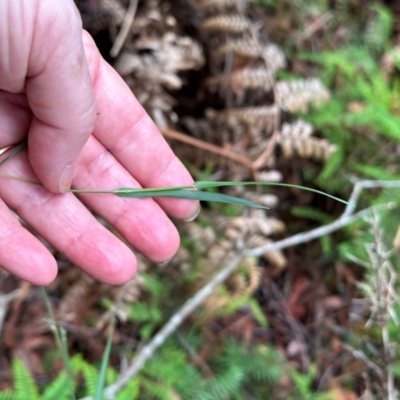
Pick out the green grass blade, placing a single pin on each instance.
(211, 184)
(104, 364)
(187, 194)
(15, 151)
(61, 340)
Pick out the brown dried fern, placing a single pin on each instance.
(294, 96)
(227, 23)
(212, 5)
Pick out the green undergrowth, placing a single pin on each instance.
(363, 117)
(234, 371)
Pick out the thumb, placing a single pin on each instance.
(57, 85)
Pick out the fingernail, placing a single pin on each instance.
(161, 264)
(194, 216)
(66, 178)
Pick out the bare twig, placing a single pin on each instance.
(366, 184)
(126, 26)
(208, 147)
(360, 355)
(316, 233)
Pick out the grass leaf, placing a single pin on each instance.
(104, 364)
(187, 194)
(15, 151)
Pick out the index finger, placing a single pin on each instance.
(41, 53)
(127, 131)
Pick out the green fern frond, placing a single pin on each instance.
(89, 372)
(257, 312)
(153, 285)
(223, 384)
(91, 376)
(142, 312)
(311, 213)
(379, 28)
(60, 389)
(375, 172)
(6, 394)
(156, 390)
(130, 391)
(24, 385)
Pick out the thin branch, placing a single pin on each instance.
(360, 355)
(366, 184)
(208, 147)
(316, 233)
(126, 26)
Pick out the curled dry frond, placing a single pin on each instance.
(299, 129)
(253, 119)
(244, 282)
(256, 224)
(296, 138)
(210, 5)
(246, 48)
(229, 23)
(276, 257)
(203, 237)
(269, 176)
(167, 56)
(70, 304)
(267, 200)
(247, 78)
(294, 96)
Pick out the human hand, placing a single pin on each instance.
(53, 81)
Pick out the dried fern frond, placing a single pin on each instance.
(299, 129)
(276, 257)
(70, 304)
(210, 5)
(268, 200)
(269, 176)
(244, 79)
(245, 47)
(307, 148)
(255, 120)
(168, 56)
(203, 237)
(296, 138)
(296, 96)
(244, 282)
(228, 23)
(247, 278)
(125, 295)
(252, 225)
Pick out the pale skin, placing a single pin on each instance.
(53, 84)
